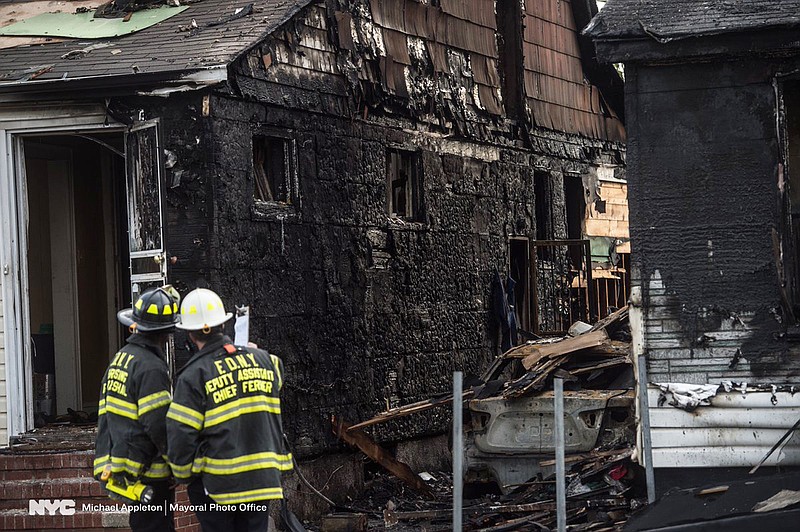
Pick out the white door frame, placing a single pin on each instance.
(15, 123)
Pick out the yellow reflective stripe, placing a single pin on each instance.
(185, 415)
(152, 309)
(125, 465)
(181, 471)
(101, 407)
(157, 470)
(277, 363)
(121, 407)
(153, 401)
(247, 496)
(246, 405)
(100, 463)
(183, 418)
(248, 462)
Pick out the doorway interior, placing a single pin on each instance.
(77, 264)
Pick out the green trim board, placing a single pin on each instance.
(85, 26)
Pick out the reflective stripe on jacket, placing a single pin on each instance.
(224, 423)
(131, 425)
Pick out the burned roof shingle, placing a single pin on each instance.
(665, 20)
(162, 48)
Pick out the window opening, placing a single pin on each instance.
(274, 169)
(404, 184)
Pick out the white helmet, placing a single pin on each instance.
(201, 310)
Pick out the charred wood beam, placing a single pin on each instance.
(407, 410)
(369, 447)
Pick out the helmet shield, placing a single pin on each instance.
(201, 310)
(155, 310)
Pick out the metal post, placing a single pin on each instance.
(647, 443)
(458, 450)
(561, 478)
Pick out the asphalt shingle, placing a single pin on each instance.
(162, 48)
(675, 19)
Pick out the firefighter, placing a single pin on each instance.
(131, 448)
(224, 424)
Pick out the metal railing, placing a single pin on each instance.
(562, 285)
(611, 288)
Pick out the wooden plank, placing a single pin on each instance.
(619, 361)
(344, 523)
(369, 447)
(569, 345)
(407, 410)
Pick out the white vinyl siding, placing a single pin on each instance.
(737, 430)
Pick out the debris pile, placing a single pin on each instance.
(509, 445)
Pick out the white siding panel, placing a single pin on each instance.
(737, 430)
(685, 457)
(762, 418)
(718, 437)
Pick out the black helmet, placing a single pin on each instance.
(155, 310)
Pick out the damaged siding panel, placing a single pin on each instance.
(396, 46)
(460, 40)
(737, 430)
(308, 58)
(478, 11)
(559, 12)
(467, 36)
(422, 21)
(300, 65)
(613, 223)
(557, 93)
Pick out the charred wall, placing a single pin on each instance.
(704, 201)
(368, 310)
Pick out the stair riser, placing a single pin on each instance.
(30, 474)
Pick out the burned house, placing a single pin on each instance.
(355, 172)
(711, 98)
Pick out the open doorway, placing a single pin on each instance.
(77, 264)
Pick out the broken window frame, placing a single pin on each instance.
(146, 240)
(786, 238)
(291, 195)
(524, 289)
(412, 209)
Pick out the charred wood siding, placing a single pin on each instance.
(701, 222)
(367, 310)
(558, 95)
